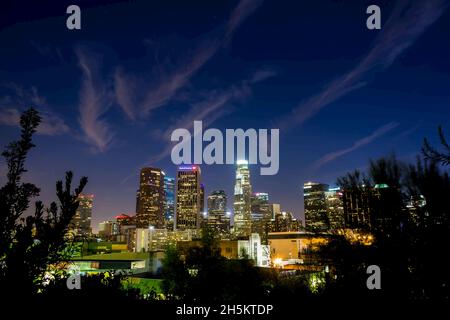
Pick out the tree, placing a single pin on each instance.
(30, 242)
(431, 153)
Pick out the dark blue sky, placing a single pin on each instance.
(112, 92)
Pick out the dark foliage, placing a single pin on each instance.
(431, 153)
(31, 241)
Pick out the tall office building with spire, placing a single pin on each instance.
(242, 200)
(189, 197)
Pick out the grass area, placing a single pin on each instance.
(145, 285)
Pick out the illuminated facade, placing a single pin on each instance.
(218, 217)
(285, 222)
(169, 204)
(242, 200)
(261, 215)
(108, 230)
(300, 249)
(188, 197)
(316, 218)
(335, 208)
(150, 198)
(245, 248)
(80, 226)
(151, 239)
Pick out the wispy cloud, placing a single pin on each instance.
(244, 9)
(207, 111)
(407, 132)
(329, 157)
(95, 100)
(406, 23)
(48, 51)
(159, 93)
(215, 106)
(20, 98)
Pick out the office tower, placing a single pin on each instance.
(80, 226)
(335, 208)
(124, 222)
(358, 207)
(261, 215)
(202, 197)
(218, 217)
(316, 219)
(203, 212)
(274, 208)
(242, 200)
(108, 230)
(188, 197)
(285, 222)
(169, 205)
(151, 198)
(373, 208)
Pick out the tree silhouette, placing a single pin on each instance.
(431, 153)
(30, 242)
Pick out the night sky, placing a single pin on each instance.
(112, 92)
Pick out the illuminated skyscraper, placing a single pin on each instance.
(242, 200)
(285, 222)
(261, 215)
(218, 217)
(169, 205)
(335, 208)
(316, 218)
(150, 199)
(202, 198)
(274, 209)
(81, 222)
(188, 197)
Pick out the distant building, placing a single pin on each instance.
(357, 208)
(80, 226)
(316, 218)
(108, 230)
(188, 197)
(124, 219)
(285, 222)
(169, 204)
(242, 200)
(151, 239)
(218, 218)
(376, 208)
(130, 263)
(151, 198)
(126, 225)
(244, 248)
(297, 250)
(274, 208)
(261, 215)
(335, 208)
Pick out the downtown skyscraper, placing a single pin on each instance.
(188, 197)
(150, 198)
(169, 204)
(218, 217)
(242, 200)
(80, 225)
(316, 216)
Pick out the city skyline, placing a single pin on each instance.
(239, 64)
